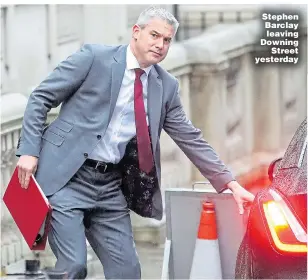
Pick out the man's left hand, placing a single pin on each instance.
(240, 195)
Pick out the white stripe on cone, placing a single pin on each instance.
(206, 261)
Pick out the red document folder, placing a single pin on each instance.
(30, 210)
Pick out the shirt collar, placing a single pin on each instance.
(132, 62)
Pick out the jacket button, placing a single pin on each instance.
(85, 155)
(99, 137)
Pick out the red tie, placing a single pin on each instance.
(145, 156)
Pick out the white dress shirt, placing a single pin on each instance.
(121, 128)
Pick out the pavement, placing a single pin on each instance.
(150, 256)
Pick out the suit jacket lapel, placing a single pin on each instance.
(118, 70)
(155, 92)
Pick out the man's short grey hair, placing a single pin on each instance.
(156, 12)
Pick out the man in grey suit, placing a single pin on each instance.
(101, 157)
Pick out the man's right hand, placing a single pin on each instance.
(26, 167)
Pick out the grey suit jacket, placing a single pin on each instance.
(87, 85)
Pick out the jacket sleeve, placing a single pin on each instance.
(62, 82)
(191, 142)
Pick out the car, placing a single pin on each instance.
(274, 245)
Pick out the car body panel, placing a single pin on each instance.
(258, 256)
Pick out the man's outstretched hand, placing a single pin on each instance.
(240, 195)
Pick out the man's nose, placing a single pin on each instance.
(160, 43)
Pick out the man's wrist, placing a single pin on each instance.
(233, 185)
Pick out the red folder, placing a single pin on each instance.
(30, 210)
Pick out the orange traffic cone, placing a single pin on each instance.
(206, 260)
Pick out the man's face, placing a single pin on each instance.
(153, 41)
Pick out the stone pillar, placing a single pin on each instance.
(12, 49)
(247, 93)
(5, 215)
(267, 108)
(52, 36)
(12, 108)
(186, 166)
(208, 103)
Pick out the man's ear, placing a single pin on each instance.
(136, 31)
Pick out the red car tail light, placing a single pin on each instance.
(287, 233)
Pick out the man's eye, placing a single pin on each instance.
(154, 35)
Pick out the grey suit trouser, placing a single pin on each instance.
(92, 206)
